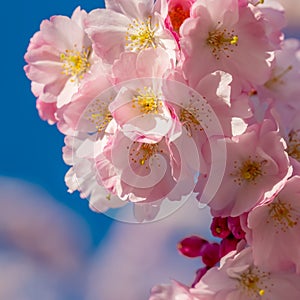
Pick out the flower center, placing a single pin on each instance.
(99, 115)
(140, 35)
(75, 63)
(142, 152)
(177, 16)
(281, 213)
(248, 171)
(251, 281)
(147, 101)
(221, 41)
(293, 144)
(278, 79)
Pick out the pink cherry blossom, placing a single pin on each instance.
(238, 278)
(74, 114)
(224, 36)
(256, 167)
(131, 65)
(139, 108)
(148, 172)
(273, 229)
(47, 111)
(283, 84)
(175, 291)
(130, 26)
(215, 88)
(78, 152)
(58, 57)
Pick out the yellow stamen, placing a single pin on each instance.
(281, 214)
(99, 115)
(189, 121)
(222, 41)
(252, 280)
(75, 63)
(141, 35)
(142, 152)
(249, 171)
(147, 101)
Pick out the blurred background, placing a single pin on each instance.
(51, 245)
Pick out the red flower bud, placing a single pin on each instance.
(219, 227)
(235, 227)
(228, 245)
(210, 254)
(191, 246)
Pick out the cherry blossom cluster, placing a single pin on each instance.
(168, 100)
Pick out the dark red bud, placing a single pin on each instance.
(228, 244)
(210, 254)
(219, 227)
(191, 246)
(235, 227)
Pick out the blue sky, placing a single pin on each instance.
(30, 149)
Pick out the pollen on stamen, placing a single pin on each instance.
(248, 171)
(99, 115)
(189, 121)
(281, 213)
(140, 35)
(147, 101)
(142, 152)
(75, 63)
(194, 114)
(252, 282)
(222, 41)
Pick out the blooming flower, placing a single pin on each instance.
(58, 57)
(283, 84)
(256, 168)
(78, 152)
(224, 36)
(273, 229)
(148, 172)
(175, 291)
(140, 106)
(129, 26)
(239, 278)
